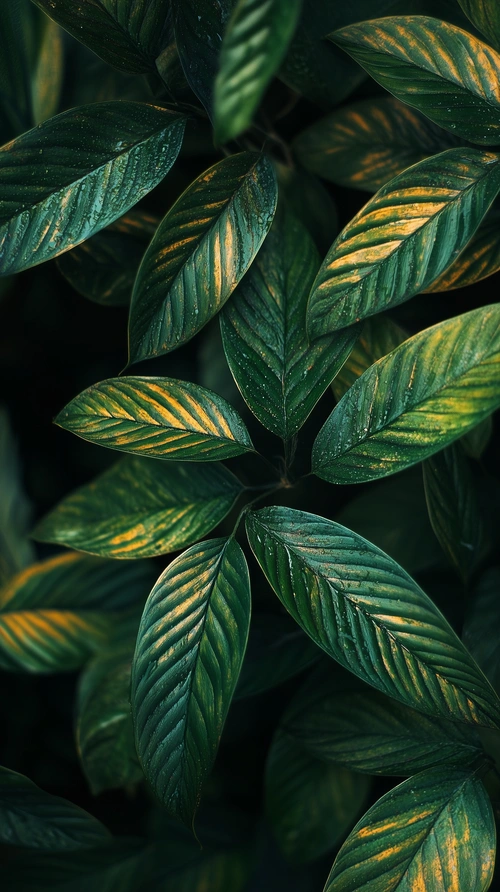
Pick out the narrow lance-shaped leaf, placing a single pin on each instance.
(404, 238)
(407, 406)
(378, 337)
(199, 29)
(190, 647)
(158, 417)
(479, 259)
(141, 508)
(280, 375)
(201, 250)
(434, 832)
(367, 613)
(444, 72)
(255, 41)
(76, 173)
(485, 15)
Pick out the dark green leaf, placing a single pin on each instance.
(48, 71)
(424, 395)
(201, 250)
(367, 613)
(479, 259)
(254, 44)
(280, 375)
(485, 15)
(444, 72)
(190, 647)
(434, 832)
(311, 203)
(478, 438)
(378, 337)
(16, 34)
(404, 238)
(16, 551)
(140, 508)
(482, 620)
(158, 417)
(199, 28)
(76, 173)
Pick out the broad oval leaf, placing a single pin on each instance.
(80, 171)
(403, 238)
(434, 832)
(254, 44)
(407, 406)
(201, 250)
(158, 417)
(140, 508)
(189, 651)
(444, 72)
(485, 15)
(280, 375)
(33, 819)
(362, 608)
(199, 29)
(378, 337)
(479, 259)
(366, 144)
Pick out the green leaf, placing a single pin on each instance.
(403, 238)
(129, 34)
(444, 72)
(16, 33)
(158, 417)
(33, 819)
(477, 439)
(428, 392)
(103, 268)
(434, 832)
(140, 508)
(80, 171)
(254, 44)
(57, 613)
(479, 259)
(16, 551)
(338, 719)
(310, 804)
(199, 28)
(311, 203)
(358, 605)
(482, 619)
(379, 336)
(366, 144)
(213, 868)
(48, 71)
(280, 376)
(190, 647)
(485, 15)
(201, 250)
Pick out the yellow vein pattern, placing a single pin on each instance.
(190, 647)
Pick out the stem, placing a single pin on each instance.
(269, 491)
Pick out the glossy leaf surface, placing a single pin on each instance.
(424, 395)
(142, 508)
(199, 29)
(378, 337)
(367, 613)
(201, 250)
(485, 15)
(76, 173)
(434, 832)
(158, 417)
(446, 73)
(404, 238)
(479, 259)
(280, 375)
(190, 647)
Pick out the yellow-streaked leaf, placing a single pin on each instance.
(479, 259)
(379, 336)
(485, 15)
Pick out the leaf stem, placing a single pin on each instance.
(269, 490)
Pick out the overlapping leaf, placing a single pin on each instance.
(201, 250)
(485, 15)
(479, 259)
(478, 438)
(367, 613)
(378, 337)
(16, 551)
(403, 238)
(434, 832)
(48, 70)
(199, 29)
(424, 395)
(280, 375)
(141, 508)
(446, 73)
(76, 173)
(311, 202)
(190, 647)
(482, 619)
(159, 417)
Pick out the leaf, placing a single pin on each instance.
(479, 259)
(366, 144)
(158, 417)
(311, 203)
(444, 72)
(310, 804)
(358, 605)
(485, 15)
(190, 647)
(48, 71)
(280, 376)
(424, 395)
(201, 250)
(104, 267)
(81, 170)
(140, 508)
(254, 44)
(16, 31)
(211, 869)
(477, 439)
(404, 238)
(16, 551)
(129, 34)
(57, 613)
(379, 336)
(434, 832)
(482, 618)
(33, 819)
(336, 718)
(199, 28)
